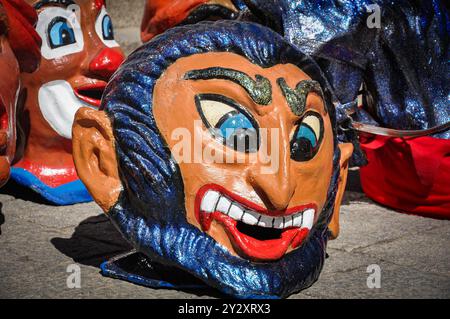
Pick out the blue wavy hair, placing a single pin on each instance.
(150, 212)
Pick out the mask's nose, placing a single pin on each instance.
(277, 188)
(106, 63)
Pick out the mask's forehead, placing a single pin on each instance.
(259, 83)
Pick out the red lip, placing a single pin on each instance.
(3, 129)
(3, 117)
(91, 93)
(246, 245)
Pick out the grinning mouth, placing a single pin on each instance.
(209, 12)
(91, 94)
(255, 233)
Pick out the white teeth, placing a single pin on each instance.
(224, 205)
(213, 201)
(236, 212)
(250, 218)
(209, 202)
(278, 224)
(266, 222)
(308, 219)
(298, 219)
(289, 222)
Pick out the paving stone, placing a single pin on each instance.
(364, 223)
(300, 296)
(418, 250)
(5, 198)
(128, 38)
(126, 13)
(62, 217)
(39, 242)
(396, 282)
(35, 257)
(342, 261)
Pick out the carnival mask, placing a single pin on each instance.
(19, 52)
(161, 15)
(79, 55)
(170, 157)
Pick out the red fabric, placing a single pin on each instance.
(22, 36)
(412, 176)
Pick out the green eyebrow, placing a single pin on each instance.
(296, 98)
(260, 90)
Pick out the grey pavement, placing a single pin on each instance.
(126, 16)
(39, 242)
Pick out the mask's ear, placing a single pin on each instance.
(346, 153)
(95, 156)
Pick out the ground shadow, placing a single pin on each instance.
(95, 240)
(24, 193)
(2, 217)
(354, 182)
(354, 191)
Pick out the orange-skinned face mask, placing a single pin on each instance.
(216, 152)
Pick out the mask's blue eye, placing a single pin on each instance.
(229, 122)
(307, 138)
(60, 33)
(232, 122)
(107, 28)
(305, 132)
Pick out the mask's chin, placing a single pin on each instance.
(58, 104)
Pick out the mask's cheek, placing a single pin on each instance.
(58, 105)
(9, 90)
(313, 177)
(63, 68)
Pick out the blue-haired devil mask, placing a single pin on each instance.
(215, 153)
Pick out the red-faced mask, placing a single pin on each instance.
(19, 51)
(79, 55)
